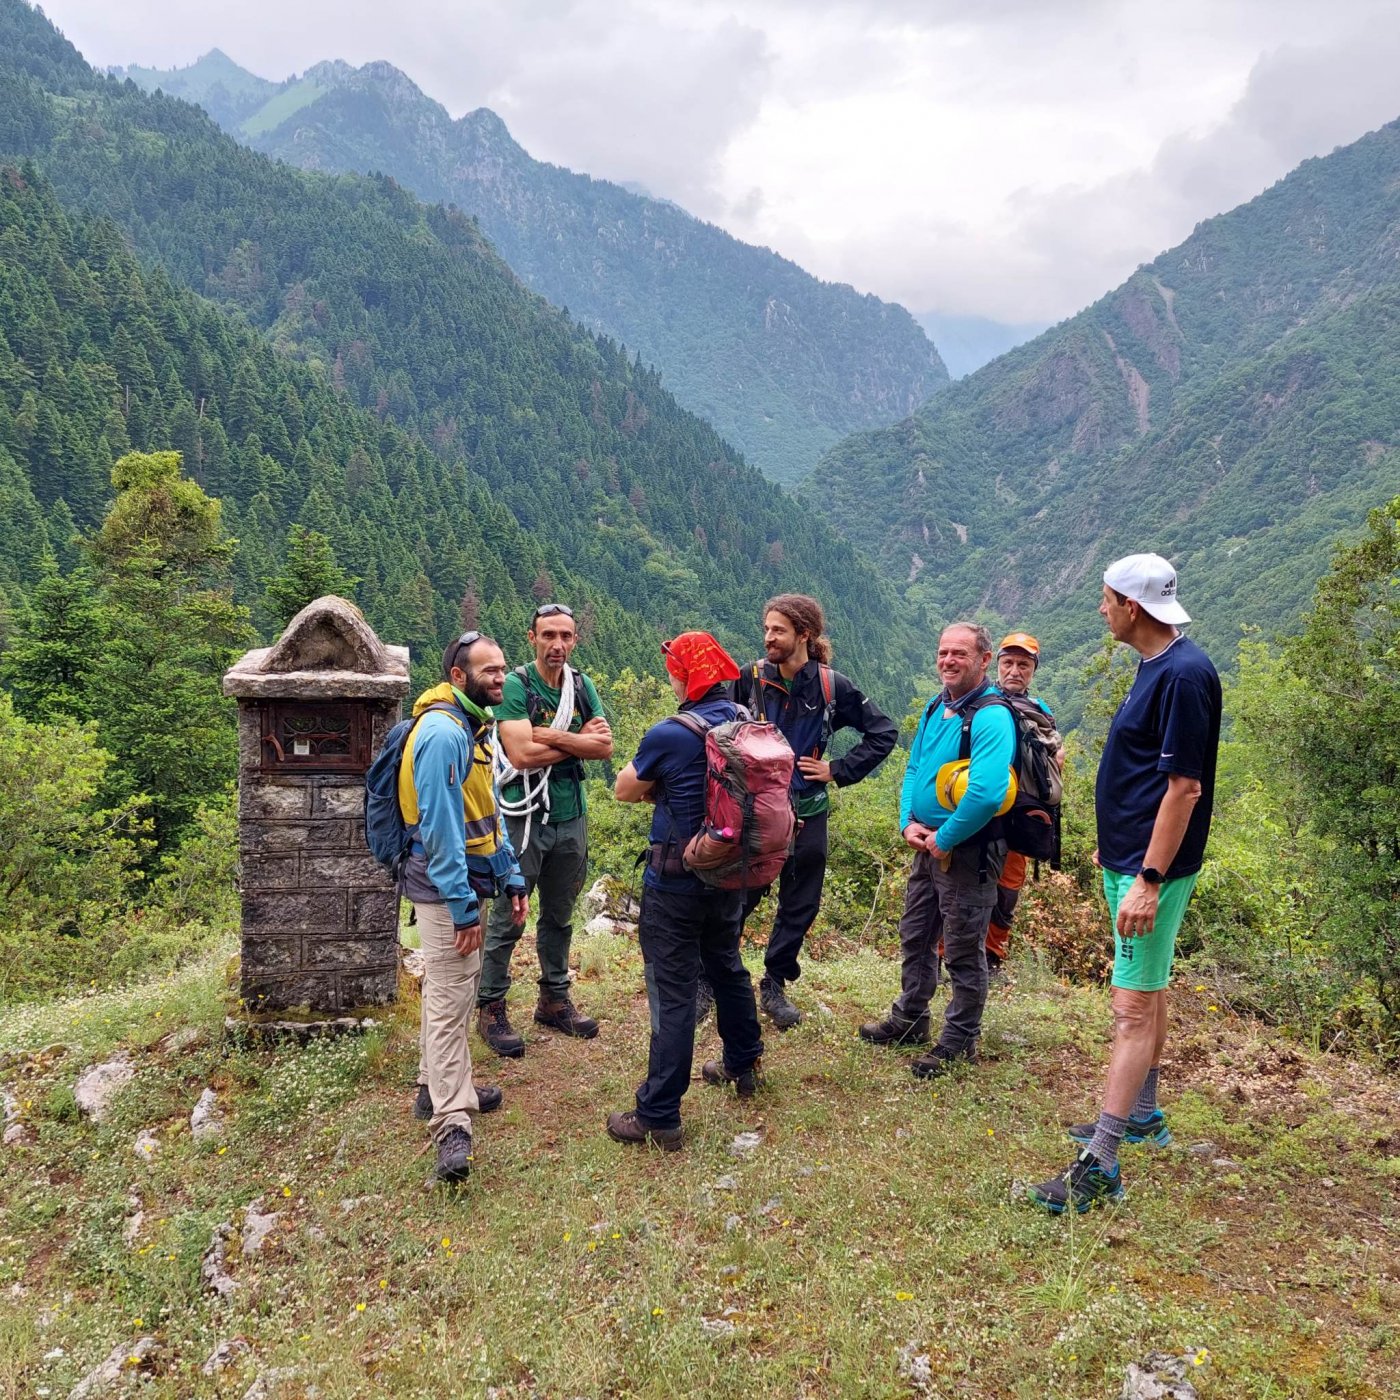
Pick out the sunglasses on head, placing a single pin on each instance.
(467, 640)
(554, 610)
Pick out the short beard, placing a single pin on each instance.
(475, 692)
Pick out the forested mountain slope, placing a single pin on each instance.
(1235, 405)
(781, 363)
(405, 311)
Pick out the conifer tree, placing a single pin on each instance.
(311, 571)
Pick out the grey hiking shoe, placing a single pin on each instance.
(940, 1061)
(497, 1031)
(783, 1014)
(454, 1155)
(1151, 1131)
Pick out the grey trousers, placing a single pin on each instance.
(449, 1002)
(553, 865)
(955, 906)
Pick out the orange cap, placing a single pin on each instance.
(1021, 641)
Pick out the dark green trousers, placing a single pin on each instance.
(553, 865)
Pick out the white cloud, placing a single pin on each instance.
(1006, 158)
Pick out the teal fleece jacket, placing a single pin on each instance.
(936, 742)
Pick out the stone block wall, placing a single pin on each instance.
(320, 919)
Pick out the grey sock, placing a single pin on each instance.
(1108, 1138)
(1146, 1104)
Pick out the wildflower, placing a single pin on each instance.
(1200, 1357)
(222, 1150)
(592, 1245)
(136, 1322)
(1212, 1008)
(903, 1297)
(991, 1132)
(447, 1241)
(568, 1235)
(1200, 987)
(359, 1307)
(286, 1190)
(384, 1283)
(658, 1312)
(616, 1234)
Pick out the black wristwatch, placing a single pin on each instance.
(1150, 875)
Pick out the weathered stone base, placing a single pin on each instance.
(280, 1032)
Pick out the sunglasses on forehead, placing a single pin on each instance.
(465, 642)
(554, 610)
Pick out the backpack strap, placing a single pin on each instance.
(695, 723)
(828, 701)
(533, 704)
(989, 697)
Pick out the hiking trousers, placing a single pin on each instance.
(553, 864)
(449, 1002)
(955, 906)
(679, 935)
(799, 899)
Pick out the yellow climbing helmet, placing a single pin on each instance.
(951, 783)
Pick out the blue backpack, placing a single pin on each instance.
(385, 833)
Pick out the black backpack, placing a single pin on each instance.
(1032, 826)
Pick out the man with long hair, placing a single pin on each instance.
(795, 687)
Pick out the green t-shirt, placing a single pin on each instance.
(566, 795)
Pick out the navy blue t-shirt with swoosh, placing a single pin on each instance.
(1169, 722)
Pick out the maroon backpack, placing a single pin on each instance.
(750, 822)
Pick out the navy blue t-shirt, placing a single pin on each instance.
(673, 757)
(1169, 722)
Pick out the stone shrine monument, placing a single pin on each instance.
(320, 919)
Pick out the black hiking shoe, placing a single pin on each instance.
(1151, 1131)
(940, 1061)
(560, 1014)
(1081, 1186)
(704, 998)
(894, 1031)
(454, 1155)
(488, 1100)
(627, 1127)
(497, 1031)
(745, 1081)
(783, 1014)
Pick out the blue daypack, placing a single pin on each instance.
(386, 835)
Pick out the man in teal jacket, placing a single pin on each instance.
(958, 853)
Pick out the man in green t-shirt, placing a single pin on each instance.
(548, 721)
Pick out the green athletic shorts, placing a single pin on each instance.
(1144, 964)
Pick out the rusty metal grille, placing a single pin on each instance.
(302, 737)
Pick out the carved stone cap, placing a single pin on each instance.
(327, 651)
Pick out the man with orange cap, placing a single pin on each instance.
(686, 925)
(1018, 660)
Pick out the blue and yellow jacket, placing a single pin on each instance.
(936, 742)
(448, 800)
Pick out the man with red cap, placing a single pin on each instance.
(686, 925)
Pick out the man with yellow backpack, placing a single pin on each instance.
(457, 856)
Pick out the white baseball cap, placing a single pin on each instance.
(1151, 583)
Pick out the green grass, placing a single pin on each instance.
(876, 1215)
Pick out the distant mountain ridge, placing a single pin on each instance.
(480, 413)
(1235, 404)
(782, 364)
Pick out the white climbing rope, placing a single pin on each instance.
(534, 798)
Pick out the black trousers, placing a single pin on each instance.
(799, 900)
(680, 934)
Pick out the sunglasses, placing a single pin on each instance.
(467, 640)
(554, 610)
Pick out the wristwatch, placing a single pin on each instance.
(1150, 875)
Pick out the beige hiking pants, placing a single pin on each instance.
(449, 1002)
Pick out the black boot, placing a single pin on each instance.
(783, 1014)
(893, 1030)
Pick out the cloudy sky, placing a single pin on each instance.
(1004, 158)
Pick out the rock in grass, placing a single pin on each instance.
(97, 1087)
(1159, 1376)
(146, 1146)
(745, 1143)
(257, 1225)
(206, 1121)
(211, 1267)
(224, 1355)
(914, 1366)
(124, 1358)
(717, 1327)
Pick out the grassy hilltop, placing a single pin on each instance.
(876, 1223)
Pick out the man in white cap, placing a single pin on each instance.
(1153, 798)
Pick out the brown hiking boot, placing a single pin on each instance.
(497, 1031)
(627, 1127)
(745, 1082)
(560, 1014)
(894, 1031)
